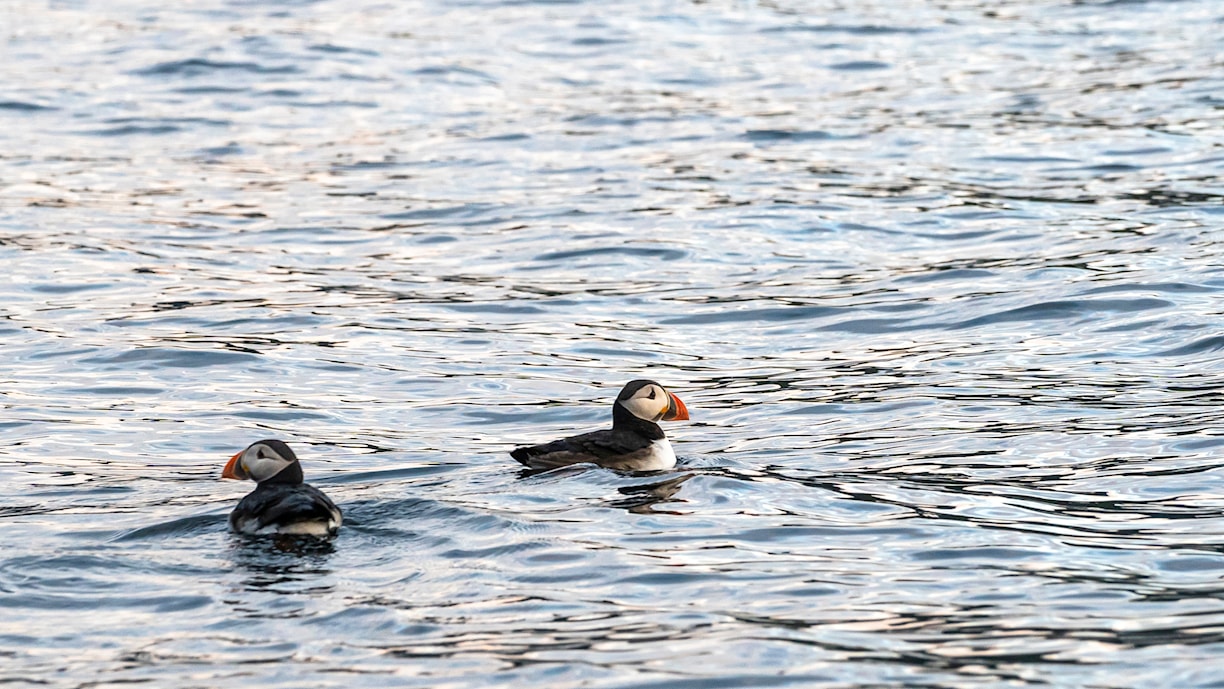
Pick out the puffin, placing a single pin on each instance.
(281, 503)
(635, 442)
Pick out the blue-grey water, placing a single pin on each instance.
(941, 284)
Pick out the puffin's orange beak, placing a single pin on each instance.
(676, 411)
(232, 470)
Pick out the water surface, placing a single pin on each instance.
(940, 286)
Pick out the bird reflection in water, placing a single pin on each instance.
(283, 563)
(643, 499)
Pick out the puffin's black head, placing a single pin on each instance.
(649, 401)
(265, 460)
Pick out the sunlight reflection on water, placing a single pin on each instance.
(938, 285)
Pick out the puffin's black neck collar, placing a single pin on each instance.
(291, 474)
(623, 420)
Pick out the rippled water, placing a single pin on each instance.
(940, 284)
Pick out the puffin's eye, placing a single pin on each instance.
(652, 394)
(260, 454)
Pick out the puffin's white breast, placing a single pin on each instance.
(656, 457)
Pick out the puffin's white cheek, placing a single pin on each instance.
(643, 408)
(260, 468)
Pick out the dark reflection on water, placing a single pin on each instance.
(283, 564)
(647, 499)
(938, 283)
